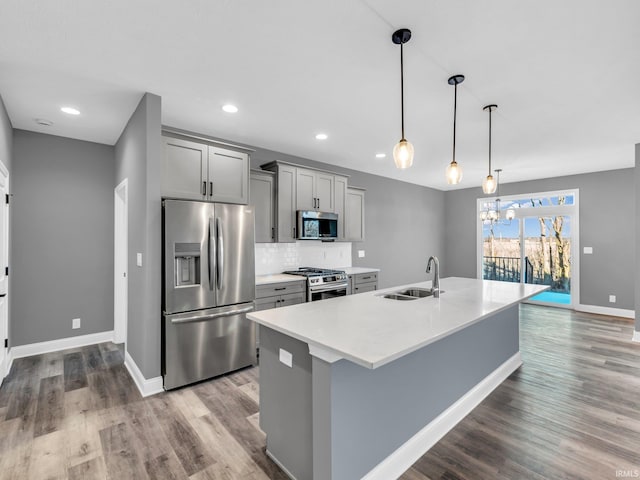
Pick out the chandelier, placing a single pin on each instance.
(491, 213)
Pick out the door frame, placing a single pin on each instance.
(4, 332)
(572, 211)
(120, 259)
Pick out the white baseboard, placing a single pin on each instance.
(147, 387)
(21, 351)
(282, 467)
(612, 312)
(399, 461)
(636, 336)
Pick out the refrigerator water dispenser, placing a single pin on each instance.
(187, 264)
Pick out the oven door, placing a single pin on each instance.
(325, 292)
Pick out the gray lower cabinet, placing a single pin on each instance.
(262, 197)
(363, 282)
(276, 295)
(195, 170)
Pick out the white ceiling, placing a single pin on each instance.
(564, 74)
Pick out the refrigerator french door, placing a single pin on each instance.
(209, 286)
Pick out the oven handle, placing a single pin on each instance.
(327, 288)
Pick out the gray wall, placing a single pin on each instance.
(607, 223)
(62, 237)
(137, 158)
(403, 221)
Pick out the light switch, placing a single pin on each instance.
(360, 253)
(286, 358)
(139, 259)
(588, 250)
(612, 299)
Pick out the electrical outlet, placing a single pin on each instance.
(588, 250)
(286, 358)
(139, 259)
(612, 299)
(75, 323)
(360, 253)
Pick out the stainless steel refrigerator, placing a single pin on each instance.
(208, 287)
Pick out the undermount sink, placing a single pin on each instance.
(395, 296)
(416, 292)
(410, 294)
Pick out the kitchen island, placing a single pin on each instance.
(361, 386)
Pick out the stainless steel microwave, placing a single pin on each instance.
(314, 225)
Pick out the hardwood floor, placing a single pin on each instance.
(572, 411)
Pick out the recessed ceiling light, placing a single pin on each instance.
(70, 110)
(381, 155)
(322, 136)
(43, 122)
(230, 108)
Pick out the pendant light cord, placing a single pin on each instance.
(490, 140)
(455, 110)
(402, 88)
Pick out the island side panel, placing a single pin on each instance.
(373, 412)
(285, 403)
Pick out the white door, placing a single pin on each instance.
(120, 280)
(4, 264)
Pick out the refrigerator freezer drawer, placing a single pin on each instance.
(207, 343)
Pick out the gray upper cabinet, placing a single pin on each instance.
(285, 202)
(354, 215)
(314, 190)
(197, 171)
(339, 203)
(228, 175)
(299, 188)
(262, 197)
(184, 169)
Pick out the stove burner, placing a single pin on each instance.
(314, 272)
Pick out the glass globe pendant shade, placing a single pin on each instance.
(510, 214)
(489, 184)
(454, 173)
(403, 154)
(493, 215)
(483, 215)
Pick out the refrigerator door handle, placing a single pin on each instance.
(202, 318)
(212, 253)
(220, 253)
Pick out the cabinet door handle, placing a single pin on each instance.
(280, 288)
(365, 278)
(294, 232)
(318, 203)
(204, 188)
(211, 189)
(273, 233)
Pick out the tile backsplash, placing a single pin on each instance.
(278, 257)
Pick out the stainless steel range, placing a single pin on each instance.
(323, 283)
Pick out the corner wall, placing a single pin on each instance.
(62, 237)
(607, 223)
(137, 157)
(636, 217)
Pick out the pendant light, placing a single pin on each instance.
(454, 171)
(489, 184)
(403, 151)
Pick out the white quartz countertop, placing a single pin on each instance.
(357, 270)
(278, 278)
(372, 331)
